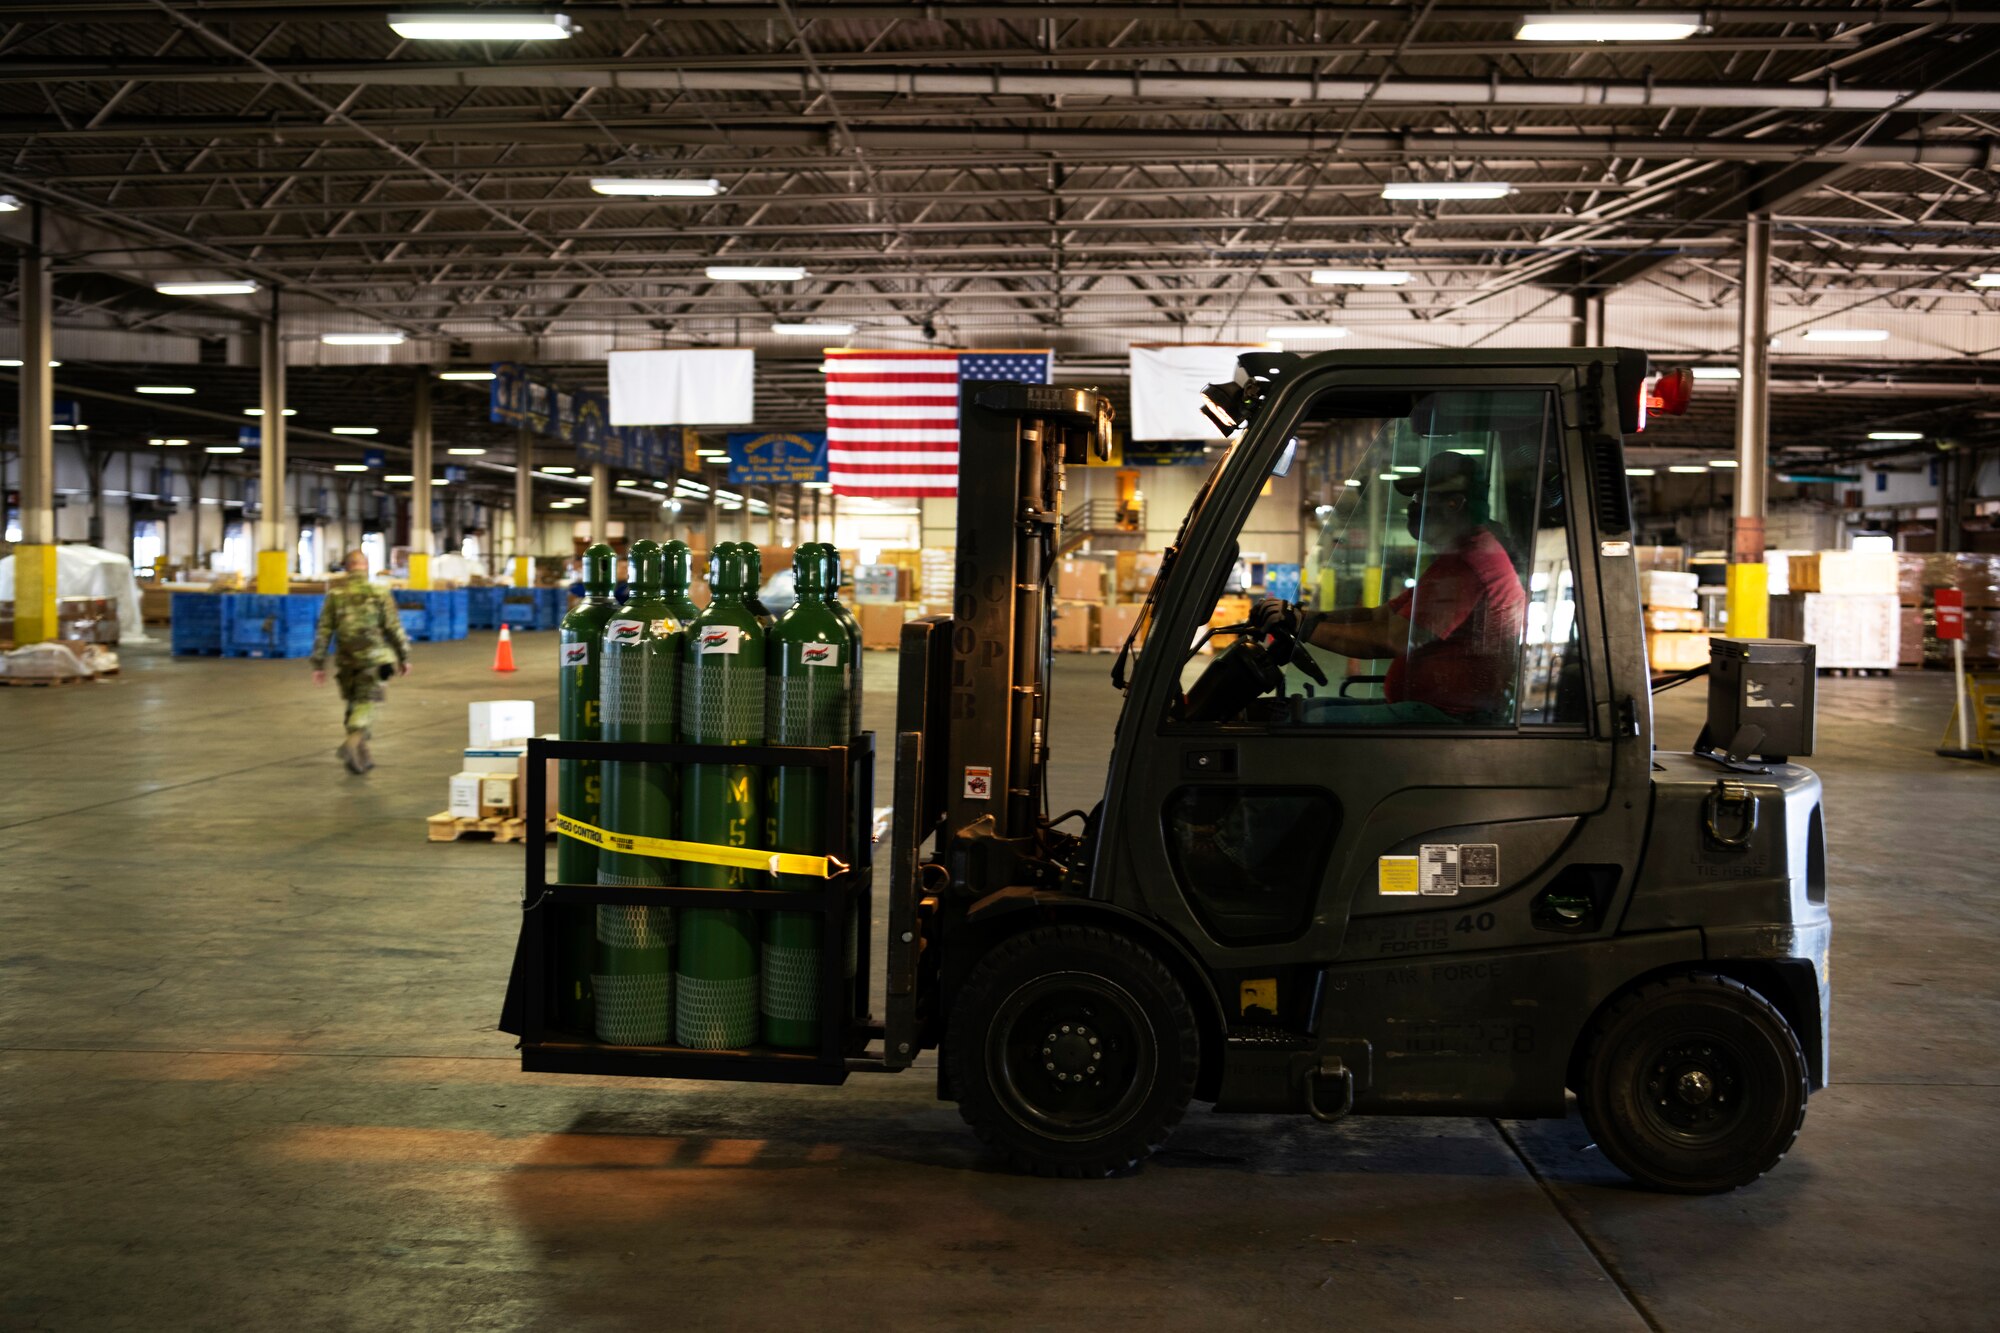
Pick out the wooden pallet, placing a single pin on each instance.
(44, 681)
(446, 827)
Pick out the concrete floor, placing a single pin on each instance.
(249, 1078)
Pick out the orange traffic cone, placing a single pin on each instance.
(503, 655)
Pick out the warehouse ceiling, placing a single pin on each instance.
(1024, 174)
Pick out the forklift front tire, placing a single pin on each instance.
(1694, 1084)
(1073, 1050)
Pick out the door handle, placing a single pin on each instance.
(1212, 761)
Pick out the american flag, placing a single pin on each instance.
(892, 417)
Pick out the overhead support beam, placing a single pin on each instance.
(1749, 594)
(1021, 11)
(274, 561)
(35, 618)
(955, 142)
(1133, 85)
(422, 540)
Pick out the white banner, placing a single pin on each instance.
(1167, 384)
(708, 387)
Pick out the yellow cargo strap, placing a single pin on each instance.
(703, 853)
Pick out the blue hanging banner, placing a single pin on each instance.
(581, 419)
(374, 458)
(249, 437)
(776, 459)
(66, 412)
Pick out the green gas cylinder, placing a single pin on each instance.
(578, 783)
(677, 561)
(722, 703)
(805, 703)
(830, 555)
(641, 669)
(754, 582)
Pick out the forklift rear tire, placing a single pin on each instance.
(1073, 1050)
(1694, 1084)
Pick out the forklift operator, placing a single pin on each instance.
(1453, 639)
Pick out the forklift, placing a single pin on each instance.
(1302, 895)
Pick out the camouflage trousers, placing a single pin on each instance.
(361, 689)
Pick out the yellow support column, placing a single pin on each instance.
(524, 571)
(273, 572)
(1748, 602)
(35, 619)
(420, 570)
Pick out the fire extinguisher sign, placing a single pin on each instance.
(978, 782)
(1950, 603)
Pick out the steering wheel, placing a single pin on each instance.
(1248, 668)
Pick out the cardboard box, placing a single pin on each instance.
(1845, 629)
(1669, 590)
(499, 794)
(1671, 651)
(463, 800)
(1873, 573)
(1075, 627)
(881, 623)
(1674, 620)
(494, 722)
(1115, 622)
(1082, 578)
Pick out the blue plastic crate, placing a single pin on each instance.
(269, 624)
(551, 605)
(482, 607)
(197, 624)
(434, 615)
(521, 609)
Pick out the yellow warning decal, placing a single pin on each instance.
(1262, 993)
(1397, 875)
(703, 853)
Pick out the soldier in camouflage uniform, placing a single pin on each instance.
(368, 647)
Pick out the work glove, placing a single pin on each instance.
(1273, 615)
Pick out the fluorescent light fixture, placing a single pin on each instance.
(1305, 331)
(659, 485)
(9, 204)
(480, 26)
(355, 430)
(362, 339)
(1688, 467)
(814, 330)
(350, 467)
(1987, 280)
(61, 426)
(1847, 335)
(756, 273)
(1722, 462)
(560, 471)
(1359, 277)
(238, 287)
(223, 449)
(440, 481)
(656, 187)
(258, 412)
(1354, 481)
(1446, 190)
(466, 375)
(1895, 435)
(625, 481)
(1638, 472)
(711, 453)
(1646, 26)
(16, 361)
(163, 388)
(399, 476)
(1405, 467)
(168, 444)
(466, 453)
(1717, 373)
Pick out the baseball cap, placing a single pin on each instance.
(1446, 473)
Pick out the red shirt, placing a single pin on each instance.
(1472, 600)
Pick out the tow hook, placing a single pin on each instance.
(1330, 1067)
(1724, 794)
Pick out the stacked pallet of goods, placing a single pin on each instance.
(1975, 575)
(1844, 603)
(1676, 638)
